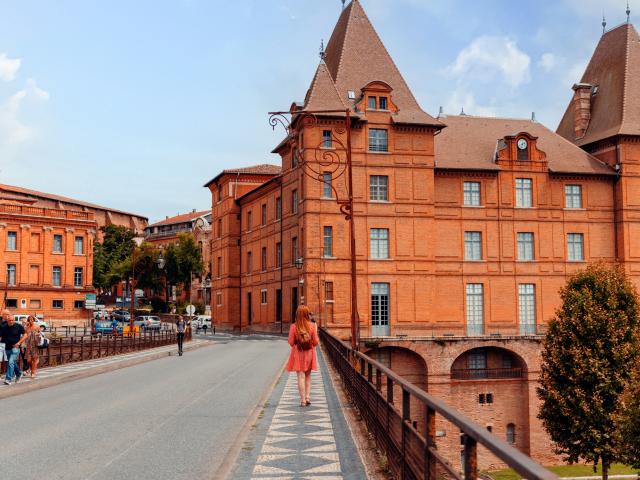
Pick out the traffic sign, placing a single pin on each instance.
(190, 309)
(90, 301)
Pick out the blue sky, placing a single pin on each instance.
(135, 104)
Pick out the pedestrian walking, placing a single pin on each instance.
(181, 326)
(114, 325)
(13, 336)
(3, 320)
(31, 344)
(303, 338)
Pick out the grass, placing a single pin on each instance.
(566, 471)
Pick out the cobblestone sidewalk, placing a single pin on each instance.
(292, 442)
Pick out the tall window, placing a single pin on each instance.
(11, 274)
(524, 195)
(511, 434)
(525, 246)
(294, 249)
(78, 248)
(78, 277)
(249, 220)
(263, 296)
(575, 247)
(219, 267)
(378, 188)
(249, 262)
(472, 246)
(12, 240)
(278, 255)
(378, 141)
(278, 208)
(56, 279)
(379, 243)
(527, 308)
(294, 201)
(471, 191)
(264, 214)
(327, 242)
(371, 103)
(328, 291)
(327, 191)
(379, 305)
(326, 139)
(219, 228)
(382, 103)
(219, 193)
(263, 259)
(573, 196)
(57, 243)
(475, 309)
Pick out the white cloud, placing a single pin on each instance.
(12, 130)
(548, 61)
(8, 67)
(489, 57)
(575, 72)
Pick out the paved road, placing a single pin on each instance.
(173, 418)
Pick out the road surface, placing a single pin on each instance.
(172, 418)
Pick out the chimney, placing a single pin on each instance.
(581, 109)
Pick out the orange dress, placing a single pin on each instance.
(302, 360)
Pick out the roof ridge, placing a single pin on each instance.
(311, 94)
(346, 12)
(626, 76)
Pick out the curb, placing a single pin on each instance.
(14, 390)
(229, 461)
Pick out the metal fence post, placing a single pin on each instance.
(470, 458)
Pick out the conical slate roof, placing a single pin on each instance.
(354, 57)
(615, 106)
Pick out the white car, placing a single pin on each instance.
(20, 318)
(200, 321)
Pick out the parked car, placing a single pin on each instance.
(148, 322)
(20, 318)
(121, 315)
(200, 321)
(105, 327)
(101, 315)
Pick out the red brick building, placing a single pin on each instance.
(466, 227)
(46, 251)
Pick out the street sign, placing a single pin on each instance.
(90, 301)
(191, 309)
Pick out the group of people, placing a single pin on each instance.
(19, 342)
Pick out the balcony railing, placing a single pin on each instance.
(30, 211)
(485, 373)
(386, 403)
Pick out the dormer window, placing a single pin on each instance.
(382, 103)
(523, 149)
(371, 103)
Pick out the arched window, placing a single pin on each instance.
(511, 434)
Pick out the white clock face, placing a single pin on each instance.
(522, 144)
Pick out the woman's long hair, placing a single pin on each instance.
(303, 319)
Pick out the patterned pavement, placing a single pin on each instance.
(293, 442)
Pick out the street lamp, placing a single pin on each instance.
(299, 263)
(134, 258)
(328, 161)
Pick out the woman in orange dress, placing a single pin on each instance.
(303, 338)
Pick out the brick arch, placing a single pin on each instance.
(528, 356)
(494, 355)
(412, 367)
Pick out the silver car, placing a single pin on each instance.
(148, 322)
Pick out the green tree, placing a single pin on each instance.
(587, 358)
(108, 255)
(189, 258)
(630, 422)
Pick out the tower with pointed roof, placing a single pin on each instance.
(603, 118)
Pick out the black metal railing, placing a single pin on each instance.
(485, 373)
(411, 452)
(63, 350)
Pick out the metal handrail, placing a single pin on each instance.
(473, 433)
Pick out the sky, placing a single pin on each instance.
(136, 104)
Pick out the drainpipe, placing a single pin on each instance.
(281, 252)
